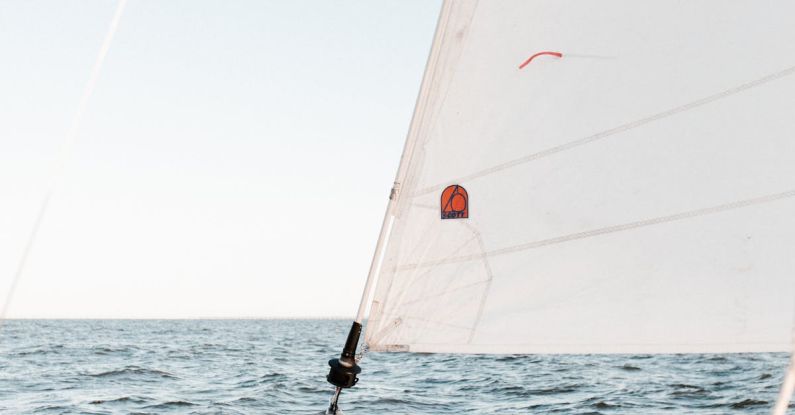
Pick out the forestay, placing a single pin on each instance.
(636, 195)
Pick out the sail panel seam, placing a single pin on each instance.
(606, 230)
(610, 132)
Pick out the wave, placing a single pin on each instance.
(133, 371)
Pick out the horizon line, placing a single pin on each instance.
(182, 318)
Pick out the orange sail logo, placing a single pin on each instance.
(455, 203)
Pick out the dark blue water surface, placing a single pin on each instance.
(279, 366)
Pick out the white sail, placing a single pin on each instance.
(634, 195)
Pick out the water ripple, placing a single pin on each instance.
(279, 366)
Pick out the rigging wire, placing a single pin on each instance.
(65, 152)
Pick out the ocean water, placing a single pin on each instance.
(279, 367)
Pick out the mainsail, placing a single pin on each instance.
(629, 189)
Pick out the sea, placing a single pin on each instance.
(279, 367)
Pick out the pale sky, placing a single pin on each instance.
(235, 159)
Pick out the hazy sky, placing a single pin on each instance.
(235, 159)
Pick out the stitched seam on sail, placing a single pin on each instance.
(610, 229)
(610, 132)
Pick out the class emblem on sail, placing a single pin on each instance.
(455, 202)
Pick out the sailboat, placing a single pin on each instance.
(592, 177)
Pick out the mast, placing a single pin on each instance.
(344, 371)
